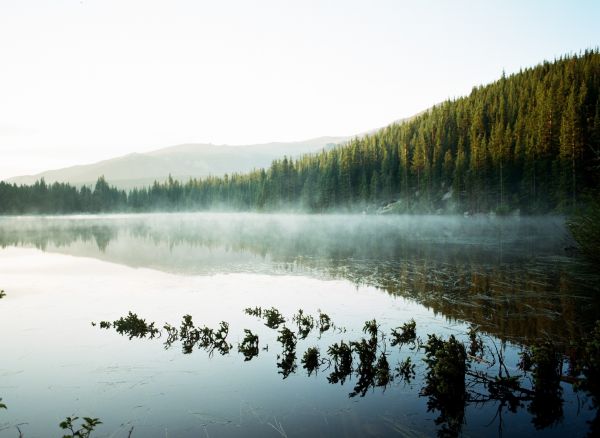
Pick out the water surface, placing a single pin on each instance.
(510, 277)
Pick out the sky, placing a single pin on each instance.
(85, 80)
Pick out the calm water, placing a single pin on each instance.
(509, 277)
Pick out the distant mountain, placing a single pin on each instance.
(181, 162)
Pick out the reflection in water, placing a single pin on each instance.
(509, 276)
(455, 378)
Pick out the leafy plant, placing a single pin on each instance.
(324, 322)
(84, 431)
(310, 360)
(256, 311)
(273, 318)
(134, 327)
(249, 346)
(2, 294)
(405, 334)
(305, 323)
(406, 370)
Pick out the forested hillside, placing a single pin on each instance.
(529, 141)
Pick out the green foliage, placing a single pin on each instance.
(324, 322)
(406, 370)
(84, 431)
(529, 141)
(383, 375)
(2, 405)
(447, 368)
(445, 382)
(133, 326)
(256, 311)
(305, 323)
(371, 328)
(287, 360)
(273, 318)
(405, 334)
(249, 346)
(287, 338)
(310, 360)
(341, 356)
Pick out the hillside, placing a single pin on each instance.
(182, 162)
(528, 142)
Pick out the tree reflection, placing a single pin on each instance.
(494, 274)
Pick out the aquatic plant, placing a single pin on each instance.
(2, 294)
(172, 335)
(84, 431)
(324, 322)
(406, 370)
(103, 324)
(383, 375)
(273, 318)
(310, 360)
(249, 346)
(287, 363)
(404, 334)
(445, 382)
(2, 405)
(287, 359)
(220, 338)
(134, 327)
(287, 338)
(212, 340)
(188, 334)
(341, 355)
(256, 311)
(305, 323)
(371, 328)
(453, 379)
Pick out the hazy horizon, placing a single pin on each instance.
(84, 81)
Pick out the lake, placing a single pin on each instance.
(510, 278)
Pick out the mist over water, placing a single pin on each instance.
(509, 276)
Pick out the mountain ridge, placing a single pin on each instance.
(181, 161)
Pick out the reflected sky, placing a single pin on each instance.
(62, 273)
(510, 275)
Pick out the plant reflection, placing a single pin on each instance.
(459, 370)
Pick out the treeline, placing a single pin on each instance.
(529, 141)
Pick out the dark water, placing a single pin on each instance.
(511, 278)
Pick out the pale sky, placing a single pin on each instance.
(87, 80)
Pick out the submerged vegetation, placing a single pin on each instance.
(527, 142)
(458, 371)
